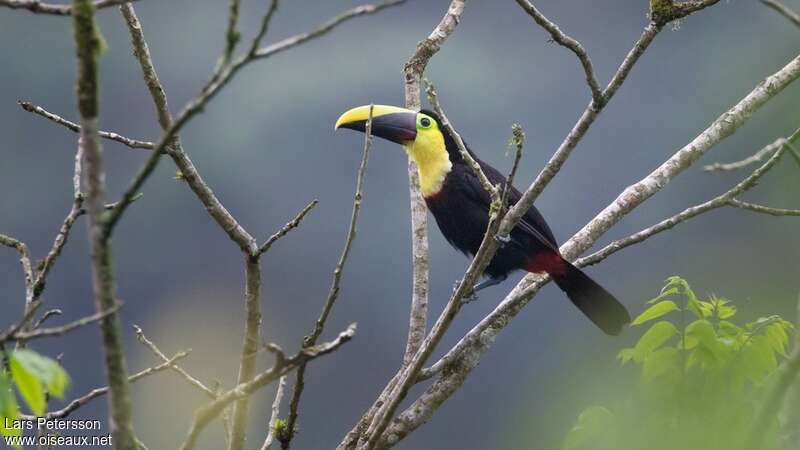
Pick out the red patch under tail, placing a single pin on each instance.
(547, 261)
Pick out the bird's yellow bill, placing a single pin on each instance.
(394, 124)
(361, 113)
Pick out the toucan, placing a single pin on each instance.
(460, 205)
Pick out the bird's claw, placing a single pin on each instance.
(470, 297)
(502, 239)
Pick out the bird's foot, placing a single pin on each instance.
(470, 297)
(502, 239)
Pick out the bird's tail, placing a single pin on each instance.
(593, 300)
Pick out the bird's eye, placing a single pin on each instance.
(425, 122)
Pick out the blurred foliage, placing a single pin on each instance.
(35, 377)
(703, 378)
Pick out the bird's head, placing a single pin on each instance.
(420, 133)
(399, 125)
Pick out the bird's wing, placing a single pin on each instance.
(532, 223)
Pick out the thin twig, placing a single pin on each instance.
(518, 142)
(325, 28)
(38, 7)
(273, 418)
(752, 159)
(763, 209)
(231, 33)
(60, 330)
(282, 366)
(783, 10)
(570, 43)
(578, 131)
(24, 260)
(190, 379)
(794, 152)
(218, 80)
(72, 126)
(721, 200)
(47, 314)
(333, 293)
(94, 393)
(433, 98)
(60, 240)
(292, 224)
(663, 12)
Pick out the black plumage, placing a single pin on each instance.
(461, 210)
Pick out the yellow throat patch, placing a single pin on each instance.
(433, 162)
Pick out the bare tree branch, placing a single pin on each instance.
(413, 71)
(663, 12)
(207, 413)
(231, 33)
(24, 260)
(725, 199)
(294, 223)
(323, 29)
(189, 378)
(763, 209)
(170, 142)
(570, 43)
(333, 293)
(38, 7)
(132, 143)
(276, 410)
(517, 142)
(783, 10)
(418, 316)
(575, 135)
(249, 351)
(755, 158)
(47, 314)
(57, 331)
(87, 41)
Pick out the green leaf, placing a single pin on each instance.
(758, 359)
(705, 309)
(655, 337)
(28, 385)
(703, 332)
(593, 422)
(700, 357)
(625, 355)
(47, 370)
(664, 294)
(8, 406)
(656, 311)
(660, 362)
(763, 322)
(724, 309)
(777, 337)
(729, 329)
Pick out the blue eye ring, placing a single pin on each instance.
(425, 122)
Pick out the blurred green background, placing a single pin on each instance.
(266, 146)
